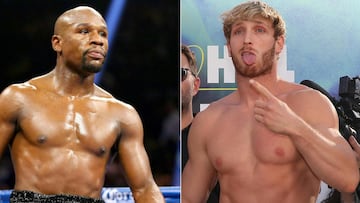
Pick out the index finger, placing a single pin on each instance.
(260, 89)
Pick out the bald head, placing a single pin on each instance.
(80, 39)
(78, 14)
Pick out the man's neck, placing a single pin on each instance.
(248, 94)
(186, 118)
(72, 84)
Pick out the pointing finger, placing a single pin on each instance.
(260, 89)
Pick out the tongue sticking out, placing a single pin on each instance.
(249, 58)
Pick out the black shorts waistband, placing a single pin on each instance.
(29, 196)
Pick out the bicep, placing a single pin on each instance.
(7, 129)
(321, 115)
(198, 175)
(133, 157)
(9, 109)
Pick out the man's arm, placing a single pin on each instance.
(310, 120)
(198, 177)
(9, 106)
(134, 160)
(352, 197)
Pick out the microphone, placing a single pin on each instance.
(315, 86)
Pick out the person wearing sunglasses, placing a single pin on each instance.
(270, 140)
(190, 84)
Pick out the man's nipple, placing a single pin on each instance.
(279, 151)
(41, 139)
(218, 162)
(102, 151)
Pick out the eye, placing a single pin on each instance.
(260, 30)
(84, 31)
(103, 33)
(238, 32)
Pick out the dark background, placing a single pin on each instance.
(142, 68)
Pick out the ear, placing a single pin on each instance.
(56, 43)
(279, 44)
(197, 82)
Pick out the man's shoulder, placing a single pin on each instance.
(305, 99)
(34, 84)
(223, 103)
(101, 93)
(213, 111)
(297, 92)
(105, 96)
(18, 89)
(303, 93)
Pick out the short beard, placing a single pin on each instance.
(185, 103)
(267, 59)
(86, 66)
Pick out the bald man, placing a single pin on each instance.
(61, 126)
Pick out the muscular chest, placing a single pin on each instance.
(72, 122)
(241, 143)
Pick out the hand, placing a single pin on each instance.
(271, 111)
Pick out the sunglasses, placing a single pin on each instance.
(184, 73)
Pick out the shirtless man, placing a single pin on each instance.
(271, 140)
(61, 126)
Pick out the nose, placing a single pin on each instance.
(248, 38)
(97, 39)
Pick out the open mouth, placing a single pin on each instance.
(249, 58)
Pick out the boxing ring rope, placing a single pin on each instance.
(118, 194)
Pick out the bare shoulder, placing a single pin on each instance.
(297, 93)
(13, 98)
(215, 110)
(123, 113)
(211, 110)
(309, 103)
(115, 105)
(104, 95)
(35, 84)
(17, 91)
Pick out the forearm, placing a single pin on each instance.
(151, 194)
(348, 198)
(327, 154)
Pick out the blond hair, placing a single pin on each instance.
(250, 10)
